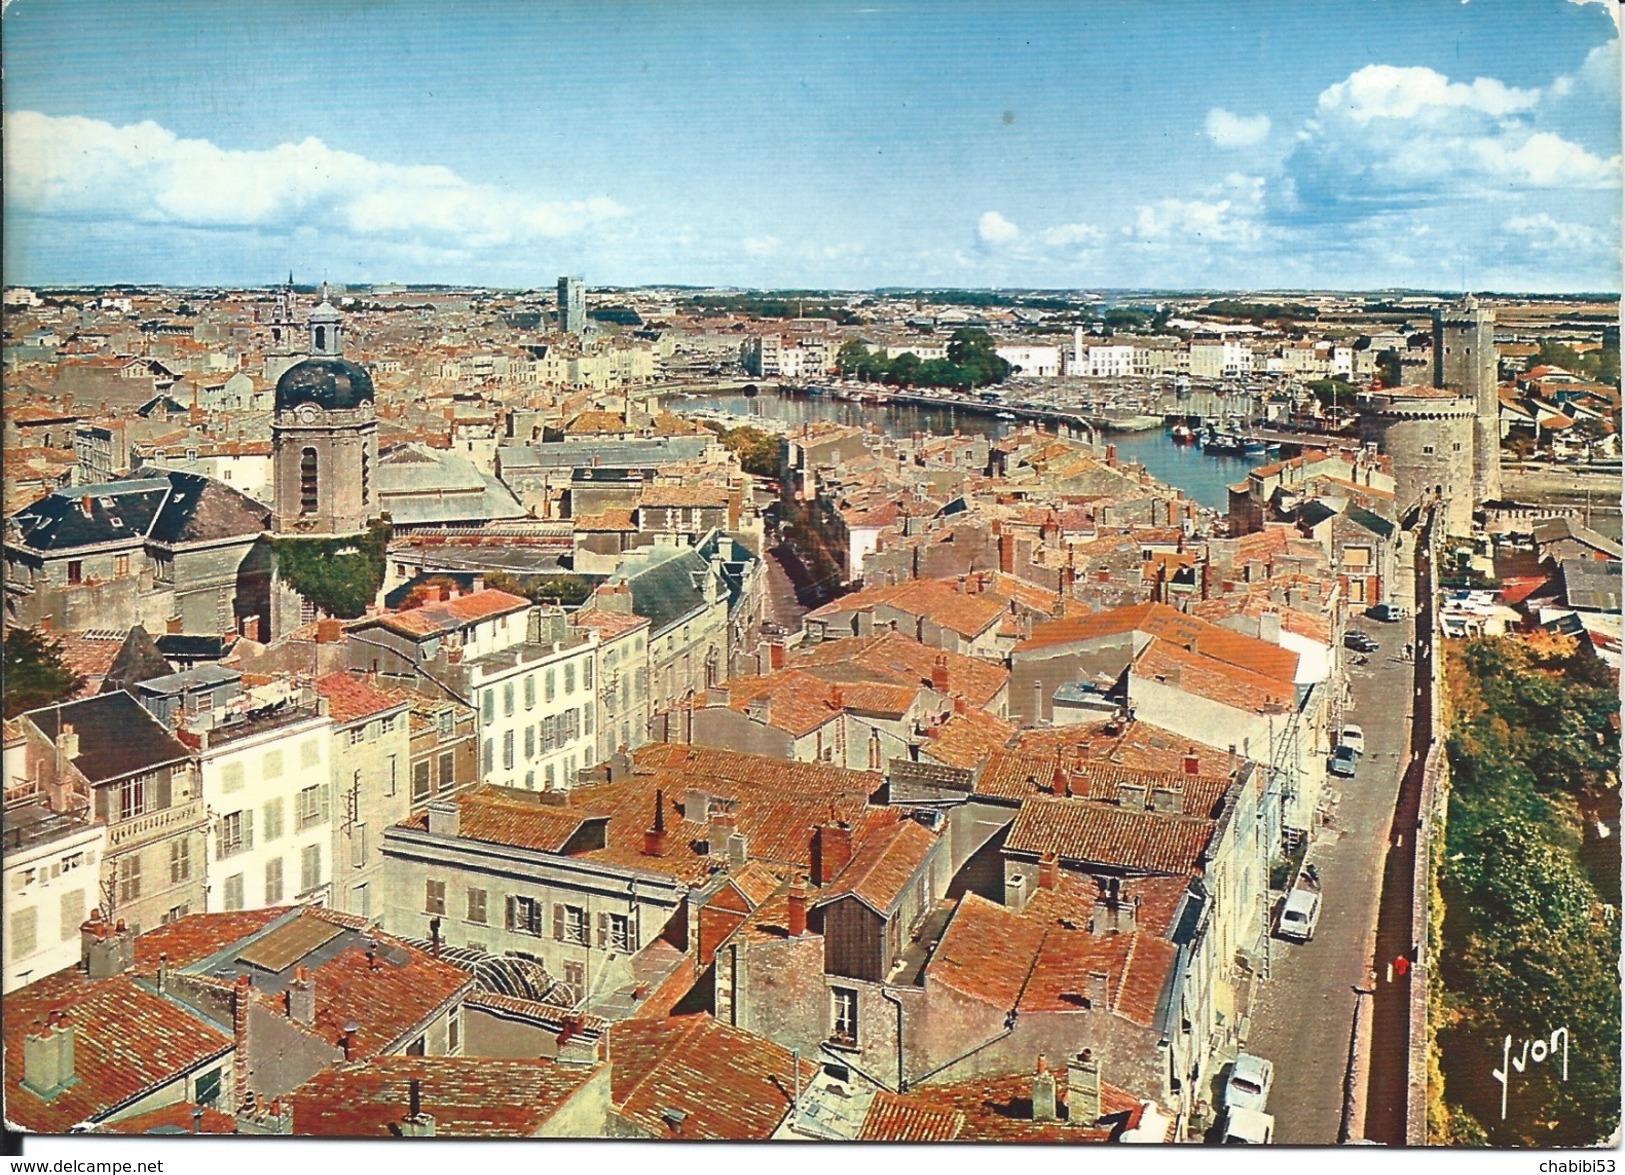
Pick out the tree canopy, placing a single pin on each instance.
(1530, 939)
(35, 674)
(973, 361)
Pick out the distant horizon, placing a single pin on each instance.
(1121, 144)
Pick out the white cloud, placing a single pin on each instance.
(1064, 236)
(1173, 221)
(994, 229)
(1404, 92)
(1234, 130)
(761, 246)
(1543, 232)
(84, 168)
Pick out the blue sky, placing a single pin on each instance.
(1114, 143)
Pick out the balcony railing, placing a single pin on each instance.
(154, 825)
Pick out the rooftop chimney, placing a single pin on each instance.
(798, 909)
(1083, 1089)
(654, 837)
(1193, 762)
(347, 1039)
(697, 806)
(242, 992)
(302, 998)
(48, 1057)
(939, 673)
(444, 818)
(1049, 869)
(832, 849)
(67, 741)
(721, 828)
(1017, 890)
(105, 949)
(416, 1124)
(1043, 1094)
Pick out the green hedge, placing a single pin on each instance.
(341, 576)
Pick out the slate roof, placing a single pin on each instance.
(468, 1097)
(117, 737)
(1590, 584)
(693, 1077)
(667, 583)
(419, 485)
(165, 505)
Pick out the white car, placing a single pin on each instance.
(1300, 915)
(1249, 1084)
(1353, 738)
(1249, 1126)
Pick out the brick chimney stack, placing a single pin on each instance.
(832, 849)
(939, 673)
(798, 909)
(242, 992)
(1043, 1094)
(654, 837)
(1083, 1089)
(302, 998)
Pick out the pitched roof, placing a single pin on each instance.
(899, 658)
(999, 1109)
(1100, 834)
(693, 1077)
(967, 739)
(1209, 677)
(127, 1041)
(468, 1097)
(879, 873)
(445, 616)
(894, 1118)
(349, 697)
(117, 736)
(494, 818)
(968, 614)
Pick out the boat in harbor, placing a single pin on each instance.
(1182, 433)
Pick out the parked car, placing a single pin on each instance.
(1387, 613)
(1249, 1084)
(1360, 642)
(1300, 915)
(1249, 1127)
(1353, 737)
(1342, 762)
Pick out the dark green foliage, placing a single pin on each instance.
(1389, 368)
(1260, 312)
(34, 673)
(972, 362)
(569, 590)
(340, 576)
(1601, 365)
(1333, 391)
(1529, 945)
(785, 305)
(758, 451)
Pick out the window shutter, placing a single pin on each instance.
(220, 839)
(248, 829)
(164, 790)
(324, 802)
(632, 930)
(558, 922)
(603, 932)
(509, 917)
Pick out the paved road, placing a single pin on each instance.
(1302, 1016)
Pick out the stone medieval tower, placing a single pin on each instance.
(1464, 362)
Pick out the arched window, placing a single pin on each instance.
(366, 476)
(321, 339)
(307, 482)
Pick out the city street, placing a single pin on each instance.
(1302, 1017)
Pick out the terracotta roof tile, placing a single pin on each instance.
(127, 1041)
(999, 1109)
(450, 615)
(1100, 834)
(899, 658)
(350, 697)
(901, 1119)
(879, 873)
(694, 1078)
(965, 740)
(468, 1097)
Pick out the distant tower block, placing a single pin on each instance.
(1428, 434)
(1464, 362)
(572, 305)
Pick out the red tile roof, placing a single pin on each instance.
(1099, 834)
(967, 739)
(725, 1083)
(938, 600)
(468, 1097)
(350, 697)
(999, 1109)
(899, 658)
(449, 615)
(175, 1119)
(879, 873)
(1207, 677)
(127, 1042)
(901, 1119)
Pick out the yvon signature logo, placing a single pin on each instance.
(1535, 1051)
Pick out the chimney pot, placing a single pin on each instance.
(798, 909)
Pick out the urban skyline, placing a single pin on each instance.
(850, 147)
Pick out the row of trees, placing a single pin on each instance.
(1530, 937)
(972, 362)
